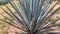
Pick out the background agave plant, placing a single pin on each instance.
(4, 1)
(32, 16)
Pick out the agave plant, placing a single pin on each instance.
(33, 15)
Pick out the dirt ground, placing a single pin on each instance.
(13, 30)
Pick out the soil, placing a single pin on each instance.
(13, 30)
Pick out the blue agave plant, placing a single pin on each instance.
(33, 15)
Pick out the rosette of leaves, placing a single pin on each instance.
(33, 17)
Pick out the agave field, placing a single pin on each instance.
(29, 17)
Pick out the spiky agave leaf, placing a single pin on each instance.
(34, 16)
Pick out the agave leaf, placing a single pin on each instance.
(14, 15)
(47, 7)
(50, 8)
(28, 9)
(12, 24)
(27, 23)
(24, 11)
(16, 9)
(38, 8)
(44, 30)
(50, 16)
(27, 6)
(44, 10)
(19, 21)
(53, 13)
(43, 24)
(51, 22)
(47, 28)
(53, 25)
(8, 13)
(9, 20)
